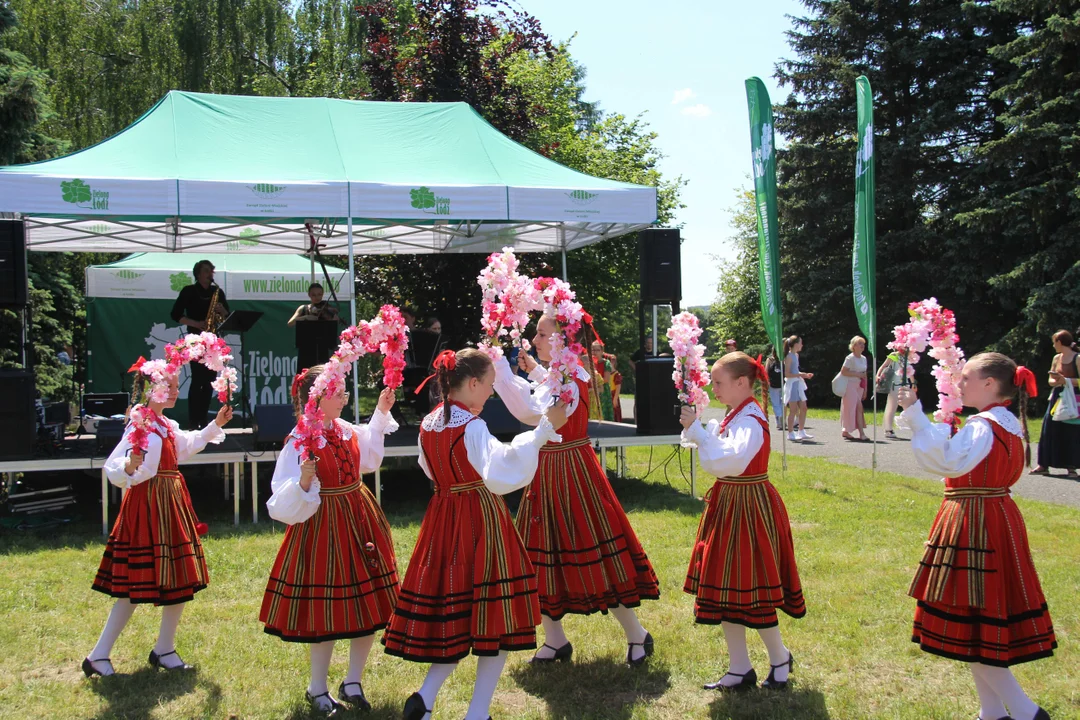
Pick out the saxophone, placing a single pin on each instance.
(215, 313)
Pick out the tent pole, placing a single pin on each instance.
(564, 275)
(352, 320)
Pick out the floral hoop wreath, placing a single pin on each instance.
(691, 374)
(935, 327)
(509, 297)
(205, 348)
(387, 334)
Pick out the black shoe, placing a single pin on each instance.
(314, 700)
(563, 653)
(646, 645)
(358, 700)
(415, 709)
(155, 661)
(771, 683)
(749, 682)
(1041, 715)
(89, 670)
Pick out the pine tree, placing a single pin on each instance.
(933, 77)
(1030, 205)
(24, 103)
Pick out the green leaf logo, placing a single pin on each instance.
(582, 197)
(179, 281)
(422, 198)
(249, 237)
(99, 228)
(266, 190)
(75, 191)
(129, 275)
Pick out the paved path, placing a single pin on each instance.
(895, 456)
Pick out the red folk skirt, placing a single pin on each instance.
(979, 595)
(469, 585)
(335, 575)
(743, 569)
(153, 554)
(587, 557)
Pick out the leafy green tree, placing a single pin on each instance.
(737, 310)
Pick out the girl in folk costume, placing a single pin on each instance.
(153, 554)
(469, 585)
(742, 569)
(586, 554)
(335, 576)
(979, 598)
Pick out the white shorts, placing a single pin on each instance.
(794, 390)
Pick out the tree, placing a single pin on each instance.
(1029, 208)
(934, 81)
(737, 310)
(24, 102)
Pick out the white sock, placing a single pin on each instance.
(321, 653)
(488, 670)
(121, 612)
(1004, 683)
(166, 642)
(359, 649)
(632, 627)
(554, 637)
(738, 655)
(777, 652)
(436, 676)
(990, 705)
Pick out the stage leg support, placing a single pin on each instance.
(254, 492)
(104, 504)
(236, 494)
(378, 486)
(693, 474)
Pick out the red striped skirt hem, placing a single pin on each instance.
(148, 596)
(453, 649)
(966, 635)
(289, 636)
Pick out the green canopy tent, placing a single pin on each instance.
(128, 305)
(200, 173)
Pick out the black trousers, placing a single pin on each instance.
(199, 394)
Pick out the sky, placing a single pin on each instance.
(682, 63)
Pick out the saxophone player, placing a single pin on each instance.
(193, 310)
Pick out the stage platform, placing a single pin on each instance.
(238, 450)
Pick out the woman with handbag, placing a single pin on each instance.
(1059, 444)
(851, 408)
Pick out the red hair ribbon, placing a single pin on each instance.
(295, 390)
(1025, 380)
(762, 375)
(446, 359)
(588, 321)
(138, 365)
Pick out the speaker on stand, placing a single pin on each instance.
(656, 404)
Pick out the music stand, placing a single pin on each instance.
(240, 321)
(316, 341)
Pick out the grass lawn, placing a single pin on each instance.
(857, 545)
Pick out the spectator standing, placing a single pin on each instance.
(852, 417)
(774, 370)
(1059, 444)
(888, 379)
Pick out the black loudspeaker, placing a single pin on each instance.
(18, 425)
(108, 433)
(659, 265)
(272, 424)
(656, 403)
(12, 263)
(499, 420)
(105, 404)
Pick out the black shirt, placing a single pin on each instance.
(194, 303)
(772, 369)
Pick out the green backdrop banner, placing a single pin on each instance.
(763, 147)
(862, 256)
(120, 329)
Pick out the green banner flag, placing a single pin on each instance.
(763, 148)
(862, 256)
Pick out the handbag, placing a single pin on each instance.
(888, 377)
(1065, 408)
(839, 385)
